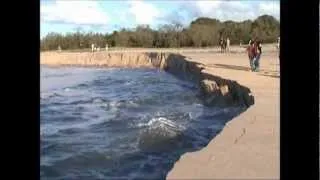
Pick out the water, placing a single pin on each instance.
(120, 123)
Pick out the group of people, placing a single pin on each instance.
(254, 52)
(224, 45)
(95, 48)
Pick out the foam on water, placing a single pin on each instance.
(111, 123)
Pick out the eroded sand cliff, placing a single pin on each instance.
(214, 90)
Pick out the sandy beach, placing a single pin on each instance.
(249, 145)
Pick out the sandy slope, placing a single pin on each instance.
(249, 145)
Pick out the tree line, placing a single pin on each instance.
(202, 32)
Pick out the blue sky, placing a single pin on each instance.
(106, 15)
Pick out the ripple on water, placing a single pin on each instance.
(108, 124)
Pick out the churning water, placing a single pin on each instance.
(120, 123)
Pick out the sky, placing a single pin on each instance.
(103, 16)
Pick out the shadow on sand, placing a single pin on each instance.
(233, 67)
(268, 73)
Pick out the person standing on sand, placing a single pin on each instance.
(258, 49)
(228, 44)
(251, 54)
(278, 46)
(92, 47)
(221, 45)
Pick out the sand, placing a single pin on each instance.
(249, 145)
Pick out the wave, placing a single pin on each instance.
(55, 75)
(162, 134)
(68, 128)
(48, 95)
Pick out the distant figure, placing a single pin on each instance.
(258, 52)
(59, 48)
(92, 47)
(228, 45)
(278, 43)
(107, 46)
(223, 45)
(278, 46)
(98, 49)
(251, 54)
(220, 44)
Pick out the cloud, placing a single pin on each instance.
(272, 8)
(73, 12)
(106, 16)
(144, 13)
(232, 10)
(207, 7)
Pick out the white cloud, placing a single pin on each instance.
(144, 13)
(270, 7)
(74, 12)
(235, 10)
(207, 7)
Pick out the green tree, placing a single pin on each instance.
(201, 32)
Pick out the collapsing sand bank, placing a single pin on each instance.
(214, 90)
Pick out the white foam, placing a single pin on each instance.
(133, 104)
(67, 89)
(45, 95)
(97, 100)
(199, 105)
(128, 83)
(160, 122)
(114, 104)
(48, 130)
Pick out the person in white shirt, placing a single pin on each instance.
(228, 44)
(92, 47)
(278, 43)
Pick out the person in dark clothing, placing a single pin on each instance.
(222, 45)
(278, 46)
(258, 52)
(251, 54)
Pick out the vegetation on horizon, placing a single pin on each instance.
(202, 32)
